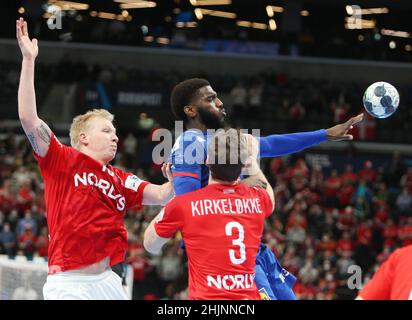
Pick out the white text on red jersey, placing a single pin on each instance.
(105, 186)
(225, 206)
(231, 281)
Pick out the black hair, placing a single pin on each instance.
(183, 94)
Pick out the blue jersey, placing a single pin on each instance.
(188, 159)
(189, 153)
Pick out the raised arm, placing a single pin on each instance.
(282, 144)
(37, 131)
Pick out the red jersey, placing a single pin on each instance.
(85, 204)
(222, 227)
(393, 280)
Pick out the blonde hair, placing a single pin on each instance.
(81, 123)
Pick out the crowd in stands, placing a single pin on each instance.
(325, 221)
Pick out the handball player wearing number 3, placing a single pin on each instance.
(221, 224)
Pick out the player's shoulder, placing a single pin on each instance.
(179, 201)
(242, 187)
(190, 142)
(404, 252)
(190, 136)
(56, 146)
(189, 196)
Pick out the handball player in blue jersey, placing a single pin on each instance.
(196, 103)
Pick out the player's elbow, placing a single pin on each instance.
(149, 242)
(149, 247)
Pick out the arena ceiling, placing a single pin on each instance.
(321, 18)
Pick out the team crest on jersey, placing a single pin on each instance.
(264, 294)
(132, 182)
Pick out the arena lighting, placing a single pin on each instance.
(221, 14)
(198, 14)
(394, 33)
(191, 24)
(258, 25)
(304, 13)
(69, 5)
(138, 5)
(355, 23)
(129, 1)
(110, 16)
(250, 24)
(106, 15)
(272, 25)
(270, 10)
(242, 23)
(356, 10)
(21, 10)
(148, 39)
(163, 40)
(210, 2)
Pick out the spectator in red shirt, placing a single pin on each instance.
(331, 188)
(348, 176)
(25, 196)
(345, 243)
(381, 213)
(27, 240)
(326, 243)
(405, 232)
(390, 232)
(42, 242)
(368, 173)
(345, 194)
(364, 232)
(346, 219)
(139, 263)
(7, 198)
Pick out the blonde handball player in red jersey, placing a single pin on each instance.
(393, 280)
(221, 224)
(86, 198)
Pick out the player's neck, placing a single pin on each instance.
(217, 181)
(93, 156)
(195, 124)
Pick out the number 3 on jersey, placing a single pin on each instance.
(237, 242)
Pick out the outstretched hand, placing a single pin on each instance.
(28, 48)
(340, 131)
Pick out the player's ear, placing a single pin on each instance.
(83, 139)
(190, 111)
